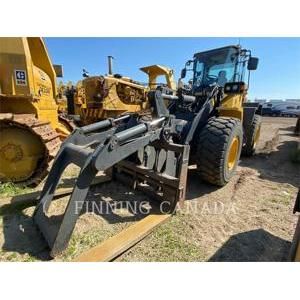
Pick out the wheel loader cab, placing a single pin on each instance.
(224, 68)
(221, 66)
(215, 67)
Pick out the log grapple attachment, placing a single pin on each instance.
(136, 151)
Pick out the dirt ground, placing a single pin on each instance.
(250, 219)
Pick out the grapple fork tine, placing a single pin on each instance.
(58, 240)
(73, 210)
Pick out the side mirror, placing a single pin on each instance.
(183, 73)
(58, 70)
(252, 63)
(188, 63)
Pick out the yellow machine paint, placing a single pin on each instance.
(36, 93)
(61, 99)
(101, 97)
(155, 71)
(232, 104)
(29, 124)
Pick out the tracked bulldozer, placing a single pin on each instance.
(98, 97)
(207, 125)
(30, 128)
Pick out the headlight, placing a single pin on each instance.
(227, 88)
(235, 88)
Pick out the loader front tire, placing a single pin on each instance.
(252, 133)
(218, 150)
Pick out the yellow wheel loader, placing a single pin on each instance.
(30, 128)
(100, 97)
(208, 125)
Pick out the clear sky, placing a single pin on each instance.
(277, 76)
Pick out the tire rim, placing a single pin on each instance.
(233, 153)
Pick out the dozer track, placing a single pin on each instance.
(67, 122)
(49, 138)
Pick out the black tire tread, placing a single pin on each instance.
(248, 149)
(212, 146)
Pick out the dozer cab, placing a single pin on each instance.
(30, 128)
(206, 124)
(99, 97)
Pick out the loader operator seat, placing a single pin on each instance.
(222, 80)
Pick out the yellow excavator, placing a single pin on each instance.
(99, 97)
(30, 127)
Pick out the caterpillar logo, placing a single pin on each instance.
(20, 77)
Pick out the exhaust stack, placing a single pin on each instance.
(110, 65)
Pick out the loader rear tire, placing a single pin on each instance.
(252, 133)
(218, 150)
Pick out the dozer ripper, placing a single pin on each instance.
(30, 127)
(99, 97)
(206, 125)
